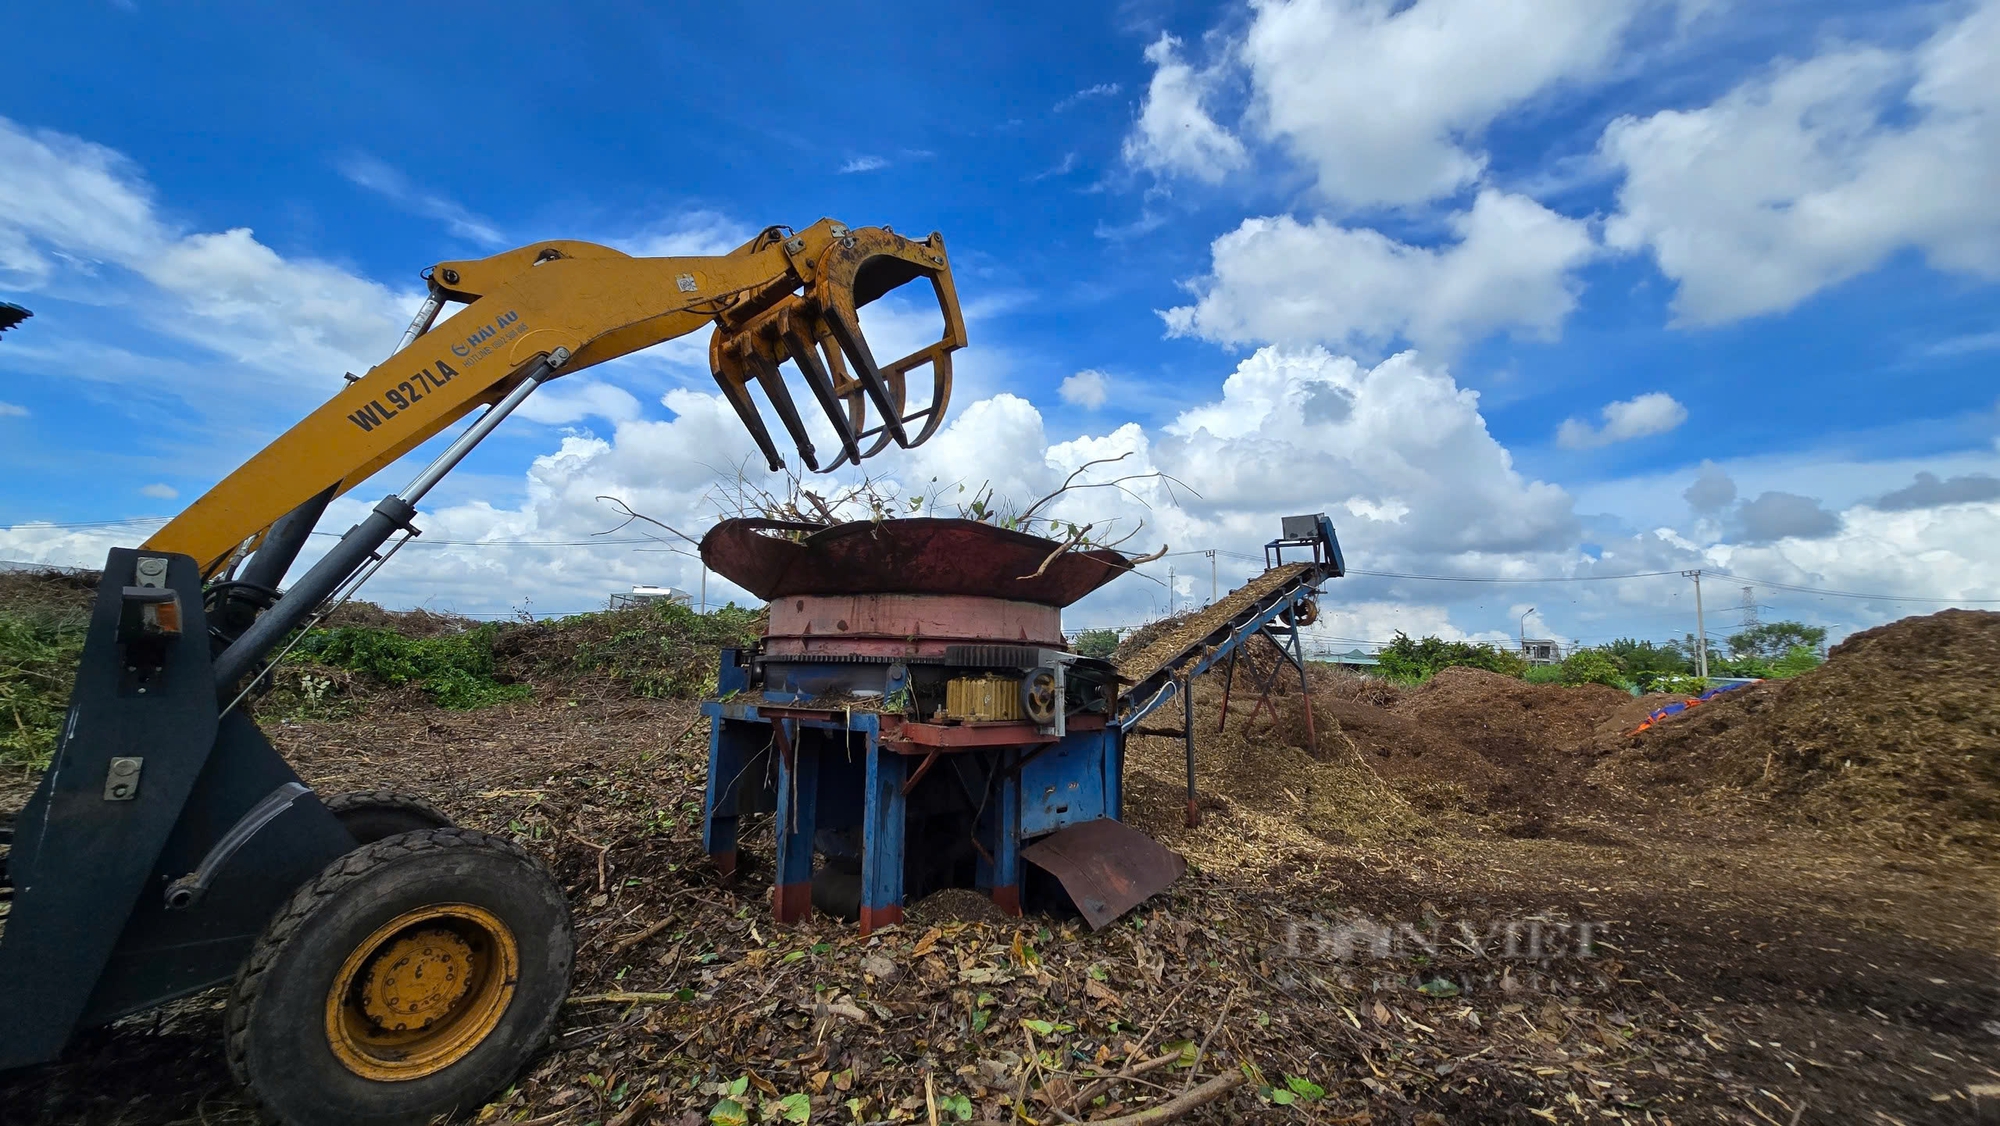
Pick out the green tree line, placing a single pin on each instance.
(1771, 650)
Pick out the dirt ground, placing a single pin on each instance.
(1470, 902)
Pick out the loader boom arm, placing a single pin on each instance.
(779, 296)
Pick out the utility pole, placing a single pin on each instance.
(1524, 631)
(1749, 609)
(704, 588)
(1700, 627)
(1170, 590)
(1214, 592)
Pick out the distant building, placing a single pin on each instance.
(1541, 651)
(641, 595)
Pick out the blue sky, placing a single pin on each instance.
(1539, 264)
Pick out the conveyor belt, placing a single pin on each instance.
(1211, 634)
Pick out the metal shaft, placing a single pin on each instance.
(421, 323)
(283, 542)
(477, 432)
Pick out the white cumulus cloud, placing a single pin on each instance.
(1174, 133)
(80, 222)
(1819, 170)
(1088, 389)
(579, 397)
(1640, 417)
(1387, 100)
(1279, 280)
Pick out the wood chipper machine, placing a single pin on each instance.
(384, 966)
(913, 719)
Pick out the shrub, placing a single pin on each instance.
(1679, 685)
(1413, 661)
(663, 649)
(1591, 666)
(1097, 642)
(1797, 659)
(456, 669)
(1544, 674)
(38, 656)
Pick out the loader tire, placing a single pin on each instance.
(414, 977)
(372, 815)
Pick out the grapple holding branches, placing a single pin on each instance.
(810, 317)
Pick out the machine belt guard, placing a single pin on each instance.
(1107, 867)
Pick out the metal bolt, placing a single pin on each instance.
(152, 565)
(451, 277)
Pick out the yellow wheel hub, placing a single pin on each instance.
(422, 991)
(416, 980)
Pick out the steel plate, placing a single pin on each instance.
(1107, 867)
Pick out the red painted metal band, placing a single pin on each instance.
(906, 624)
(875, 917)
(1008, 899)
(791, 903)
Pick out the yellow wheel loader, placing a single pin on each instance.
(387, 967)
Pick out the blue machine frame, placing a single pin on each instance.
(783, 752)
(819, 770)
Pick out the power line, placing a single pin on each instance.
(1864, 597)
(1549, 579)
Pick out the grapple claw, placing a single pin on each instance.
(814, 323)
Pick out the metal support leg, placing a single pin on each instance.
(1187, 710)
(798, 809)
(1114, 772)
(1305, 689)
(1228, 682)
(725, 774)
(1266, 683)
(999, 870)
(882, 839)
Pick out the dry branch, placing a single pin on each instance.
(620, 998)
(1171, 1109)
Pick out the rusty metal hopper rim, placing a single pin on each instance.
(917, 555)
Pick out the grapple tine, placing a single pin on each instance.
(765, 367)
(939, 357)
(805, 352)
(728, 376)
(838, 270)
(848, 335)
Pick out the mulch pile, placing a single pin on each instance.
(1468, 752)
(50, 588)
(1896, 738)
